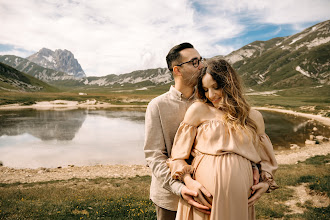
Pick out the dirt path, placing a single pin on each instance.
(303, 194)
(11, 175)
(293, 156)
(319, 118)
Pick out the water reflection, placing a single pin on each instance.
(285, 129)
(80, 137)
(45, 125)
(30, 138)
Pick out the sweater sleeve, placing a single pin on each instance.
(155, 150)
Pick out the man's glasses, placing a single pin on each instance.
(195, 62)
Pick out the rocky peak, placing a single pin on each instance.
(60, 60)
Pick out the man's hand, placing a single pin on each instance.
(189, 195)
(256, 177)
(259, 189)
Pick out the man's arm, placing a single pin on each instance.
(156, 156)
(155, 150)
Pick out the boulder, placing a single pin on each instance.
(294, 147)
(320, 138)
(309, 142)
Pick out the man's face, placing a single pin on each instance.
(189, 72)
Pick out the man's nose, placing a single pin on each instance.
(201, 65)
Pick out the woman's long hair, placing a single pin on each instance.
(233, 103)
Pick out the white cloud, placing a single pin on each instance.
(16, 52)
(115, 36)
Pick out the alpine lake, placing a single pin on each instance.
(47, 138)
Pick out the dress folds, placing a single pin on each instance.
(222, 164)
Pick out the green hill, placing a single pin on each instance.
(281, 63)
(14, 80)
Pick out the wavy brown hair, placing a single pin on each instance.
(233, 102)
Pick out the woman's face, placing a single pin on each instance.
(212, 92)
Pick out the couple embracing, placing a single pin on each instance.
(207, 149)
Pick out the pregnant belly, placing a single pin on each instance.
(228, 173)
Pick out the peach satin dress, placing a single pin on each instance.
(222, 164)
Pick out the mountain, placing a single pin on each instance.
(136, 78)
(60, 60)
(283, 62)
(298, 60)
(33, 69)
(14, 80)
(139, 78)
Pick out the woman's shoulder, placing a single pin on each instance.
(196, 113)
(199, 105)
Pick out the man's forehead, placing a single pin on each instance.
(189, 53)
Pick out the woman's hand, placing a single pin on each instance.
(203, 196)
(259, 189)
(189, 196)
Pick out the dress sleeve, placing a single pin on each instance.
(268, 162)
(183, 142)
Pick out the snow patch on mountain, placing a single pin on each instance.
(318, 41)
(99, 82)
(296, 39)
(49, 58)
(240, 55)
(305, 73)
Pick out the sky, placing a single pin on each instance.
(120, 36)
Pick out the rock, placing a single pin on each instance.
(61, 60)
(1, 164)
(311, 137)
(41, 171)
(319, 138)
(309, 142)
(315, 129)
(294, 147)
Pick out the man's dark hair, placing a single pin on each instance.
(174, 54)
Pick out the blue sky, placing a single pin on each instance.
(115, 36)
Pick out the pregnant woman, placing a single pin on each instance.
(224, 136)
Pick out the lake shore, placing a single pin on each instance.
(324, 120)
(68, 105)
(12, 175)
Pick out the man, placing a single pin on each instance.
(163, 117)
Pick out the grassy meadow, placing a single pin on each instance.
(127, 198)
(314, 100)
